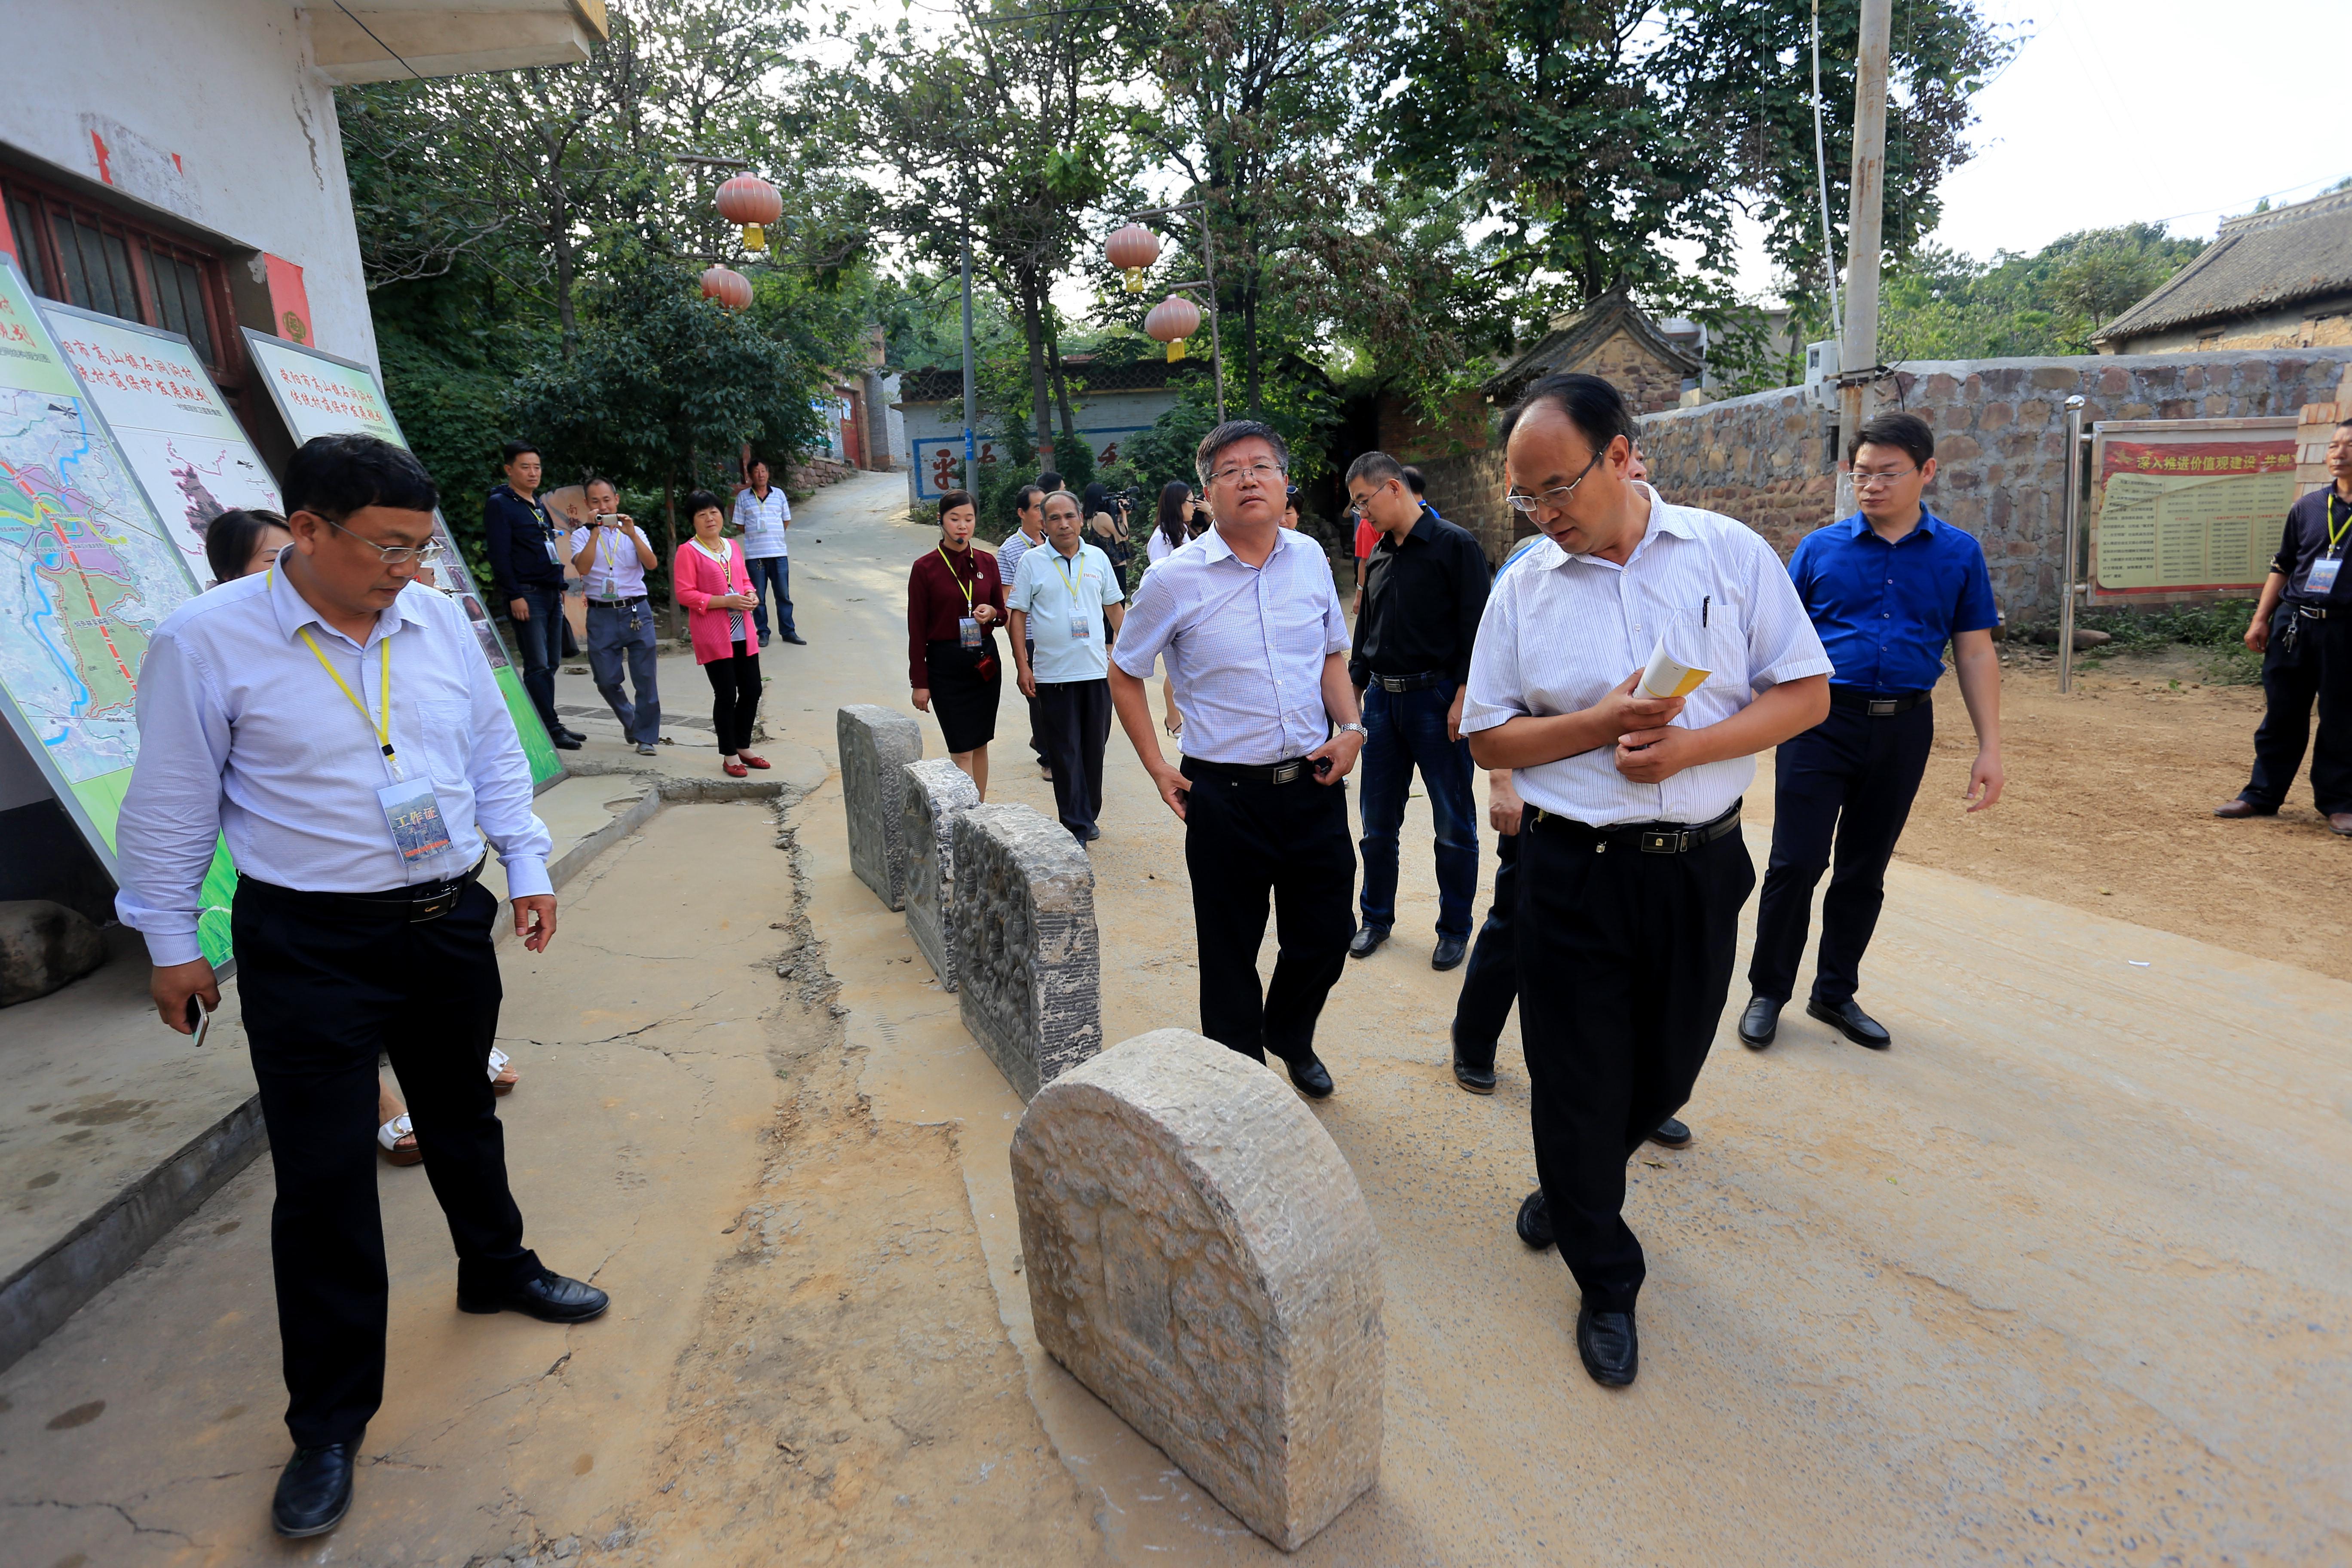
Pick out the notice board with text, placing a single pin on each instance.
(2184, 510)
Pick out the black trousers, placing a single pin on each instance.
(734, 699)
(1490, 981)
(1074, 716)
(1842, 787)
(1243, 844)
(325, 991)
(1037, 720)
(1628, 963)
(2317, 668)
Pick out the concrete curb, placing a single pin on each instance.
(42, 1294)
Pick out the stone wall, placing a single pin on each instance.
(1028, 962)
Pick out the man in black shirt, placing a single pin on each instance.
(525, 551)
(2303, 629)
(1424, 589)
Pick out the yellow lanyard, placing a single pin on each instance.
(2335, 530)
(967, 587)
(1063, 567)
(384, 692)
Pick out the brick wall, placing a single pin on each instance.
(2001, 443)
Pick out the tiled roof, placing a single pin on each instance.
(2260, 262)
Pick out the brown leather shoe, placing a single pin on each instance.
(2234, 809)
(2340, 822)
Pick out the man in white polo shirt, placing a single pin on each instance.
(612, 555)
(1632, 871)
(1063, 600)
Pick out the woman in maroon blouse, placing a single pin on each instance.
(955, 602)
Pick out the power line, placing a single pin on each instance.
(380, 44)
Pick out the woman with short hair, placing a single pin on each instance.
(715, 586)
(955, 602)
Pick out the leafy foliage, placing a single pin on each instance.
(1941, 305)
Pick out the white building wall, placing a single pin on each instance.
(934, 436)
(209, 111)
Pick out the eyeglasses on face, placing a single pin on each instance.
(1871, 479)
(1254, 473)
(1556, 497)
(394, 554)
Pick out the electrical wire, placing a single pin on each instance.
(380, 44)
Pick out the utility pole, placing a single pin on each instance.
(1858, 351)
(970, 389)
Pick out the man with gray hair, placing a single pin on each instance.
(1251, 628)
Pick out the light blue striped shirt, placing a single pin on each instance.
(764, 522)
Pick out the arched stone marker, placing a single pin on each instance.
(937, 792)
(1028, 963)
(1199, 1255)
(876, 744)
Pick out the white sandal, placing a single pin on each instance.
(501, 1081)
(391, 1132)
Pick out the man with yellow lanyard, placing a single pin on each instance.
(1061, 598)
(2303, 629)
(340, 727)
(612, 554)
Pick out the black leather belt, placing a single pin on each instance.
(1649, 838)
(1251, 773)
(2312, 612)
(1411, 682)
(619, 603)
(1878, 705)
(421, 902)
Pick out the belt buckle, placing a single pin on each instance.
(433, 907)
(1284, 773)
(1657, 841)
(1882, 707)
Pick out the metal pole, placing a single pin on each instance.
(971, 451)
(2071, 511)
(1822, 179)
(1858, 350)
(1216, 351)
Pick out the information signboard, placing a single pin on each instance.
(87, 572)
(2187, 509)
(320, 395)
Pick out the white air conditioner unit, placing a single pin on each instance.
(1822, 372)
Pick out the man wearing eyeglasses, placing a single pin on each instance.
(1251, 628)
(1632, 870)
(1887, 588)
(342, 730)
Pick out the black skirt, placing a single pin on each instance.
(965, 703)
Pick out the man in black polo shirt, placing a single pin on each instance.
(2303, 629)
(526, 550)
(1424, 589)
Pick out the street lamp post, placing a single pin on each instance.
(1208, 286)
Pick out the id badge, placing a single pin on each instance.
(554, 556)
(2323, 574)
(413, 813)
(1081, 630)
(968, 629)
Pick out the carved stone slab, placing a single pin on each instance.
(937, 792)
(876, 744)
(1199, 1255)
(1028, 963)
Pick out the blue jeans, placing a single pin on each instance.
(1407, 730)
(619, 631)
(771, 578)
(541, 638)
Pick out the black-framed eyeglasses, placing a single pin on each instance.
(393, 554)
(1555, 498)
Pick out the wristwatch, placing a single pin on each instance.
(1357, 731)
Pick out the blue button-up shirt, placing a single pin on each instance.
(1885, 611)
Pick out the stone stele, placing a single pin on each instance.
(937, 792)
(1199, 1255)
(1028, 963)
(876, 745)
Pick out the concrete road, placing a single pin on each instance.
(2061, 1278)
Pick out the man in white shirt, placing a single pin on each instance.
(1631, 868)
(612, 555)
(764, 513)
(339, 725)
(1255, 640)
(1029, 507)
(1064, 602)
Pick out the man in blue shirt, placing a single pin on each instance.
(1886, 589)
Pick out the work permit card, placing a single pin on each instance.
(967, 631)
(1081, 630)
(413, 812)
(2323, 574)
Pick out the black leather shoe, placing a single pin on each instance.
(565, 742)
(1367, 938)
(1449, 953)
(795, 638)
(1610, 1349)
(551, 1298)
(1759, 1022)
(1534, 1224)
(565, 733)
(1848, 1019)
(1476, 1080)
(314, 1490)
(1672, 1133)
(2240, 809)
(1313, 1079)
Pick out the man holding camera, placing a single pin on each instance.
(613, 556)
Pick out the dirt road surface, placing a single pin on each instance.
(2061, 1278)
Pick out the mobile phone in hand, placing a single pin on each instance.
(199, 1020)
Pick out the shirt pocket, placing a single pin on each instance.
(448, 738)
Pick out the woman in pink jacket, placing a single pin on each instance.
(716, 589)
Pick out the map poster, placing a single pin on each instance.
(173, 425)
(87, 572)
(2185, 508)
(318, 394)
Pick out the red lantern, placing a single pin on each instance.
(1133, 248)
(753, 202)
(726, 286)
(1172, 321)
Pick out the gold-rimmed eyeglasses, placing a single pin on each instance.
(1262, 473)
(1864, 479)
(393, 554)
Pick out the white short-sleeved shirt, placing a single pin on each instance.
(1245, 645)
(614, 572)
(1049, 590)
(1561, 630)
(763, 522)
